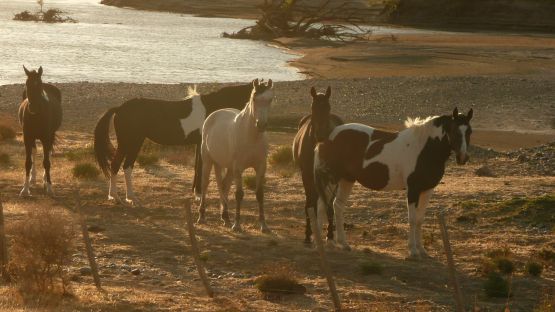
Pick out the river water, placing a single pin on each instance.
(110, 44)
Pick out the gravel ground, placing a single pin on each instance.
(520, 103)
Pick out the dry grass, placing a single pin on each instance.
(87, 171)
(279, 279)
(6, 132)
(281, 156)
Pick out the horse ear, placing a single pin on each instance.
(255, 83)
(313, 92)
(455, 113)
(26, 70)
(469, 114)
(270, 83)
(40, 71)
(328, 92)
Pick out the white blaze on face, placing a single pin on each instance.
(463, 129)
(196, 118)
(262, 104)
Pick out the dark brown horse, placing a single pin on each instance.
(164, 122)
(313, 128)
(40, 115)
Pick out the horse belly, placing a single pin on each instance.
(217, 137)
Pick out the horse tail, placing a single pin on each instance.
(103, 149)
(325, 180)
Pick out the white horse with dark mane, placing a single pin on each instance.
(236, 140)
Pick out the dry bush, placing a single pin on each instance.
(371, 268)
(146, 160)
(496, 286)
(534, 268)
(41, 248)
(80, 154)
(279, 279)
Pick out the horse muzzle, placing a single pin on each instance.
(462, 159)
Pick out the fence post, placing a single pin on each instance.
(88, 244)
(3, 246)
(323, 262)
(195, 249)
(450, 263)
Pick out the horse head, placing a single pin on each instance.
(459, 133)
(262, 96)
(33, 87)
(321, 108)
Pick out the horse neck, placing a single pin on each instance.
(434, 137)
(228, 97)
(247, 121)
(35, 97)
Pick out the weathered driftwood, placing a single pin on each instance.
(195, 249)
(323, 262)
(87, 241)
(450, 263)
(3, 247)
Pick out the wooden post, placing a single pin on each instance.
(3, 247)
(87, 240)
(195, 249)
(323, 262)
(450, 263)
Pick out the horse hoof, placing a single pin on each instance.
(413, 257)
(227, 223)
(307, 242)
(25, 193)
(344, 247)
(237, 228)
(201, 221)
(115, 199)
(133, 202)
(423, 253)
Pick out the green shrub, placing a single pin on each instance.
(85, 171)
(6, 132)
(146, 160)
(534, 268)
(283, 155)
(505, 265)
(371, 268)
(496, 286)
(249, 181)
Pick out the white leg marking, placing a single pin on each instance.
(113, 190)
(33, 179)
(343, 191)
(413, 251)
(25, 191)
(130, 197)
(423, 201)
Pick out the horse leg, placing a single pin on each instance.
(33, 179)
(239, 194)
(344, 189)
(260, 181)
(114, 169)
(130, 158)
(205, 181)
(228, 178)
(423, 201)
(28, 163)
(412, 203)
(223, 195)
(310, 201)
(47, 182)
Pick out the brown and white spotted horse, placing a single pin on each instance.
(164, 122)
(40, 115)
(313, 128)
(413, 159)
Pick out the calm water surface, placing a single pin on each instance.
(123, 45)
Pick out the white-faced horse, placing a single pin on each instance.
(236, 140)
(413, 159)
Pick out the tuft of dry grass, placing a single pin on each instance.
(80, 154)
(85, 171)
(282, 156)
(249, 181)
(41, 248)
(496, 286)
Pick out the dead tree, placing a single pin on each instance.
(289, 18)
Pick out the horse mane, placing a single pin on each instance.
(192, 92)
(422, 127)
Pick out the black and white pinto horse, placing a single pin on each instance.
(164, 122)
(313, 128)
(413, 159)
(40, 116)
